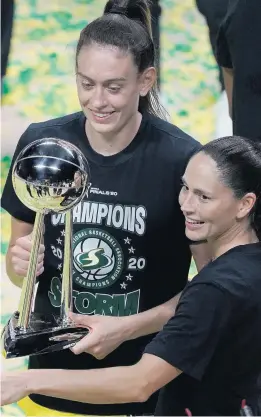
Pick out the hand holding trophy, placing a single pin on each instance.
(48, 175)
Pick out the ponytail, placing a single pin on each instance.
(133, 9)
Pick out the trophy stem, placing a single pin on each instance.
(26, 298)
(66, 296)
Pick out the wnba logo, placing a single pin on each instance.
(97, 258)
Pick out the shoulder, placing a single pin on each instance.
(169, 132)
(236, 272)
(59, 123)
(53, 127)
(223, 45)
(172, 141)
(232, 10)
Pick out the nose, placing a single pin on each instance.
(98, 99)
(187, 202)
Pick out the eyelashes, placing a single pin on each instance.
(201, 196)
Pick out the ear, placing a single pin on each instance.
(147, 80)
(245, 205)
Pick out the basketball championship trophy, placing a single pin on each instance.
(49, 175)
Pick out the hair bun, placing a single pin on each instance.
(117, 10)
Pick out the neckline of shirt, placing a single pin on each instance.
(119, 157)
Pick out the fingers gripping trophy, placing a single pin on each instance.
(49, 175)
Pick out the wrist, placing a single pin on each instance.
(34, 381)
(130, 326)
(27, 381)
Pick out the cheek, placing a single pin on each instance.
(130, 95)
(118, 101)
(229, 217)
(219, 214)
(127, 99)
(212, 212)
(83, 95)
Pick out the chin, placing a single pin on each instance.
(195, 236)
(103, 128)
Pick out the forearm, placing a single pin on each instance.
(14, 278)
(101, 386)
(150, 321)
(228, 75)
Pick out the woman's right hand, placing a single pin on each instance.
(20, 255)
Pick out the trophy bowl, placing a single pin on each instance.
(49, 175)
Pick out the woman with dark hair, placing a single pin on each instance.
(130, 228)
(208, 355)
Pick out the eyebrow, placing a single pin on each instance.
(120, 79)
(196, 190)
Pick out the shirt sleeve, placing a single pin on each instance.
(189, 340)
(222, 50)
(9, 201)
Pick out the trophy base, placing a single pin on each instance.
(45, 334)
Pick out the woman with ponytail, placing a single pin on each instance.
(129, 230)
(208, 356)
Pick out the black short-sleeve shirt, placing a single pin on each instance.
(239, 47)
(132, 219)
(215, 338)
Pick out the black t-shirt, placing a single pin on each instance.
(132, 213)
(239, 47)
(215, 338)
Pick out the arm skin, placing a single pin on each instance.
(116, 385)
(150, 321)
(228, 76)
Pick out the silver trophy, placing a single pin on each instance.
(49, 175)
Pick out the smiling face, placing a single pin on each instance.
(109, 87)
(210, 207)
